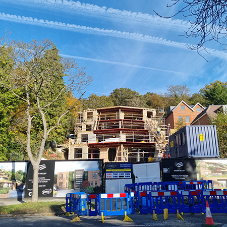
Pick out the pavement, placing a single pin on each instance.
(45, 220)
(196, 220)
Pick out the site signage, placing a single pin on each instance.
(45, 179)
(179, 170)
(116, 170)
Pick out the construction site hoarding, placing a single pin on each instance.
(198, 141)
(118, 170)
(189, 169)
(56, 178)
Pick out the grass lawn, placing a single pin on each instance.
(54, 207)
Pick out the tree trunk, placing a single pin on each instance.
(35, 196)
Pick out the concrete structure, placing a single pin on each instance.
(120, 134)
(182, 114)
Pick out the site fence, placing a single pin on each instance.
(150, 197)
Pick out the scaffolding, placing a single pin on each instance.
(126, 131)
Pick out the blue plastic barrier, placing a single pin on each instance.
(131, 203)
(150, 186)
(190, 201)
(173, 185)
(70, 201)
(163, 200)
(130, 187)
(93, 198)
(143, 202)
(217, 201)
(208, 185)
(113, 204)
(77, 203)
(184, 200)
(194, 185)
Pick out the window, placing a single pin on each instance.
(78, 153)
(187, 119)
(84, 138)
(67, 176)
(66, 184)
(61, 177)
(95, 183)
(180, 119)
(91, 183)
(182, 107)
(198, 109)
(60, 184)
(95, 175)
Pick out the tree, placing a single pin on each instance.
(180, 124)
(207, 20)
(121, 96)
(94, 101)
(215, 93)
(175, 94)
(153, 100)
(197, 98)
(136, 101)
(220, 120)
(41, 79)
(9, 105)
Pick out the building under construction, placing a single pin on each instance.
(119, 134)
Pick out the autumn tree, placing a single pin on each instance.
(153, 100)
(136, 101)
(42, 79)
(175, 94)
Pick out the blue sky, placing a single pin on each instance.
(122, 43)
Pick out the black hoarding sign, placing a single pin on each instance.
(45, 178)
(178, 170)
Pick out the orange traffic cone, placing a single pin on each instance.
(209, 219)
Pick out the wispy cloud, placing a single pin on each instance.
(103, 32)
(123, 64)
(108, 13)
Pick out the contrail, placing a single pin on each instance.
(122, 64)
(104, 32)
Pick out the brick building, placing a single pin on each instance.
(182, 113)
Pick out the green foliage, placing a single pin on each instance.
(215, 93)
(94, 101)
(4, 191)
(18, 176)
(54, 207)
(9, 105)
(153, 100)
(70, 179)
(220, 120)
(33, 82)
(197, 98)
(180, 124)
(122, 96)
